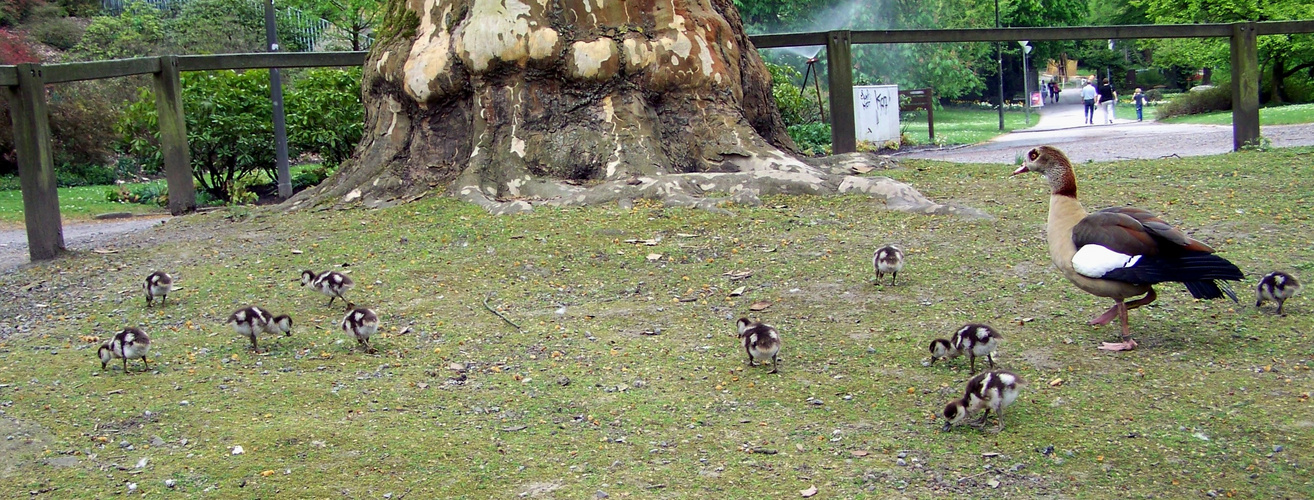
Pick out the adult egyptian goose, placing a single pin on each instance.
(361, 323)
(250, 321)
(887, 260)
(158, 284)
(330, 283)
(1121, 252)
(993, 390)
(761, 342)
(131, 343)
(1277, 286)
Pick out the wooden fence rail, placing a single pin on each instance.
(24, 87)
(1244, 49)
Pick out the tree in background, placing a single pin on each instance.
(137, 32)
(217, 27)
(1284, 56)
(355, 18)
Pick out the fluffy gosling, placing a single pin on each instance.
(361, 323)
(761, 342)
(993, 390)
(1277, 286)
(158, 284)
(972, 339)
(131, 343)
(250, 321)
(887, 260)
(330, 283)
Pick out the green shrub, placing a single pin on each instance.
(229, 132)
(796, 108)
(84, 174)
(1190, 103)
(1154, 95)
(325, 115)
(811, 138)
(137, 32)
(310, 177)
(145, 194)
(47, 24)
(9, 183)
(217, 27)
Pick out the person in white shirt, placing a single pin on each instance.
(1088, 94)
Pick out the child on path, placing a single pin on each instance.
(1139, 99)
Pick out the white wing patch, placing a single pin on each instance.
(1094, 261)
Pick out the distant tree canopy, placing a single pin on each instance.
(1283, 56)
(953, 69)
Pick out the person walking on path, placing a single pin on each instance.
(1054, 91)
(1139, 99)
(1088, 94)
(1106, 99)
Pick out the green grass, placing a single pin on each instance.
(1277, 115)
(584, 400)
(965, 125)
(75, 204)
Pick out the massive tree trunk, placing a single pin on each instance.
(511, 103)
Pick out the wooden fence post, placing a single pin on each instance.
(36, 167)
(173, 137)
(1245, 85)
(839, 72)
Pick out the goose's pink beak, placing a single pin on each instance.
(1021, 169)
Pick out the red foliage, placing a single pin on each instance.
(14, 49)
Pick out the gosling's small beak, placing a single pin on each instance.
(1020, 170)
(947, 426)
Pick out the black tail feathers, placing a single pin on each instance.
(1197, 270)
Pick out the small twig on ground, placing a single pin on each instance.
(491, 310)
(961, 479)
(1174, 155)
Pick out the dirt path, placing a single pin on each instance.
(1061, 125)
(79, 236)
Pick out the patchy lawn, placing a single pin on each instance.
(625, 378)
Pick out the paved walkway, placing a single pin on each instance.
(1061, 125)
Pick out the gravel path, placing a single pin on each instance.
(80, 236)
(1061, 125)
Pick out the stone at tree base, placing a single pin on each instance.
(499, 101)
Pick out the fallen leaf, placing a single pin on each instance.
(759, 306)
(808, 492)
(737, 292)
(989, 454)
(104, 250)
(859, 453)
(862, 169)
(654, 257)
(993, 483)
(296, 252)
(1056, 382)
(515, 428)
(267, 473)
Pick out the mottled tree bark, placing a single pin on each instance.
(511, 103)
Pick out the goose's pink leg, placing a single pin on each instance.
(1127, 343)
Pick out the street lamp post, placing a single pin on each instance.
(999, 56)
(1026, 77)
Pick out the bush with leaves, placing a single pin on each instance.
(811, 138)
(1196, 102)
(795, 107)
(229, 132)
(49, 24)
(325, 115)
(138, 31)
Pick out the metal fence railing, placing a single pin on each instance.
(309, 33)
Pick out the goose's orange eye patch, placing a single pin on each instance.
(1032, 155)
